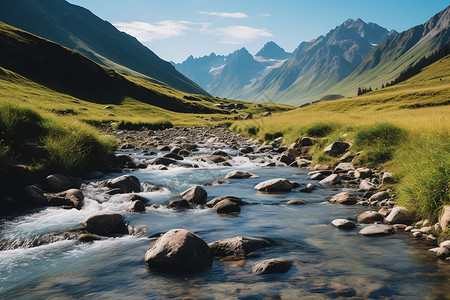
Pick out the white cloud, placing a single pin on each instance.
(237, 15)
(241, 34)
(147, 32)
(265, 15)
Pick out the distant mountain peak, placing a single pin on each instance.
(272, 51)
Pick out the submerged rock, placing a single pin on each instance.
(274, 185)
(179, 251)
(105, 223)
(87, 238)
(269, 266)
(238, 246)
(240, 175)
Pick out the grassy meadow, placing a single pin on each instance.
(404, 129)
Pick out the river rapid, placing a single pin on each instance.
(327, 262)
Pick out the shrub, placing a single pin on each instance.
(252, 130)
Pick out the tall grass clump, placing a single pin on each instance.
(425, 186)
(76, 149)
(19, 123)
(156, 125)
(320, 129)
(379, 143)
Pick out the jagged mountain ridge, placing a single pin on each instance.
(77, 28)
(227, 76)
(387, 60)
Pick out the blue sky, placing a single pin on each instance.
(175, 29)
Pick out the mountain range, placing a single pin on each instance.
(77, 28)
(275, 75)
(354, 54)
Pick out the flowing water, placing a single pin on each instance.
(327, 262)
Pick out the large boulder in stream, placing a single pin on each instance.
(58, 183)
(274, 185)
(178, 251)
(126, 184)
(194, 195)
(239, 246)
(377, 229)
(234, 199)
(368, 217)
(105, 223)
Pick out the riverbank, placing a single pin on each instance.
(293, 219)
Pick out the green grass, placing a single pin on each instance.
(403, 129)
(69, 145)
(425, 187)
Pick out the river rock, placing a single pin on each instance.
(105, 223)
(179, 203)
(295, 202)
(363, 173)
(134, 197)
(194, 195)
(445, 244)
(165, 161)
(398, 214)
(331, 180)
(35, 195)
(173, 156)
(72, 198)
(344, 198)
(226, 207)
(240, 175)
(59, 183)
(126, 146)
(163, 148)
(377, 229)
(238, 246)
(234, 199)
(444, 221)
(179, 251)
(126, 183)
(347, 157)
(366, 185)
(318, 176)
(442, 253)
(384, 211)
(336, 148)
(304, 142)
(387, 178)
(274, 185)
(136, 206)
(344, 167)
(285, 159)
(270, 266)
(343, 224)
(220, 153)
(87, 238)
(368, 217)
(380, 196)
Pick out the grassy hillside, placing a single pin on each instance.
(404, 128)
(47, 77)
(78, 29)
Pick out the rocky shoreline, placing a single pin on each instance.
(189, 252)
